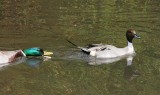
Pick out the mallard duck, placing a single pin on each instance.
(11, 56)
(110, 51)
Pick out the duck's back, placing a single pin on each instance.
(111, 52)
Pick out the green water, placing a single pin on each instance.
(48, 23)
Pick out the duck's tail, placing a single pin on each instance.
(85, 50)
(73, 44)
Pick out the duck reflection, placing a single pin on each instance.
(30, 61)
(99, 61)
(93, 60)
(129, 72)
(33, 62)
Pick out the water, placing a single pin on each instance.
(48, 23)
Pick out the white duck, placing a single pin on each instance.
(110, 51)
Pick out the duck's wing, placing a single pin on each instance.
(93, 48)
(93, 45)
(97, 47)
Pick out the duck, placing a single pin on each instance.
(11, 56)
(110, 51)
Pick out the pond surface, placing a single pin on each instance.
(48, 23)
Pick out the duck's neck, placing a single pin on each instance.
(23, 53)
(130, 47)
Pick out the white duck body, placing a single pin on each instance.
(110, 51)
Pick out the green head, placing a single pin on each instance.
(33, 51)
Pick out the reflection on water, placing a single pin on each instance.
(99, 61)
(30, 61)
(47, 23)
(129, 72)
(91, 60)
(33, 62)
